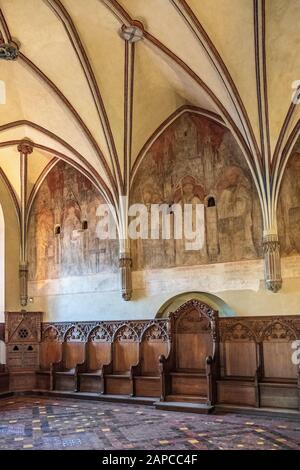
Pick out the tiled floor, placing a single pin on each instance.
(50, 423)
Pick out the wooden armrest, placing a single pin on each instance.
(107, 368)
(162, 360)
(56, 366)
(165, 363)
(209, 361)
(136, 369)
(258, 374)
(81, 367)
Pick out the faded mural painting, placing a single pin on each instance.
(288, 213)
(198, 161)
(62, 237)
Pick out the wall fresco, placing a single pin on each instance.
(288, 212)
(62, 238)
(197, 161)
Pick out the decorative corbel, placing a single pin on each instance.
(25, 148)
(272, 264)
(125, 264)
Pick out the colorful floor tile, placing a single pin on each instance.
(47, 423)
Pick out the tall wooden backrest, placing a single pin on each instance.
(50, 352)
(195, 335)
(50, 348)
(125, 349)
(239, 352)
(277, 342)
(73, 351)
(98, 348)
(155, 342)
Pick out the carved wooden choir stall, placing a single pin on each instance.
(193, 356)
(189, 372)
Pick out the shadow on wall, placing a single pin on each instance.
(215, 302)
(2, 353)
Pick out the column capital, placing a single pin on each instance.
(26, 147)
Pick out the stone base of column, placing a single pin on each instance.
(125, 264)
(272, 263)
(23, 275)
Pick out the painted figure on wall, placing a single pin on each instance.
(63, 238)
(288, 213)
(235, 215)
(197, 161)
(44, 225)
(72, 248)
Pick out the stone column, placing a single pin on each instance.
(272, 263)
(131, 35)
(25, 148)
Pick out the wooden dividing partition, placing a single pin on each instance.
(4, 378)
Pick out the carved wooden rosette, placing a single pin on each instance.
(125, 264)
(272, 265)
(25, 148)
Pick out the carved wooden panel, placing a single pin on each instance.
(195, 334)
(260, 327)
(50, 352)
(239, 351)
(73, 353)
(102, 330)
(23, 326)
(240, 338)
(22, 336)
(240, 358)
(98, 353)
(125, 349)
(154, 343)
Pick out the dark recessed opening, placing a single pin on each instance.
(211, 202)
(57, 230)
(84, 225)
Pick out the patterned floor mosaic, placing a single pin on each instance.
(48, 423)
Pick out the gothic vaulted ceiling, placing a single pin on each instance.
(81, 92)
